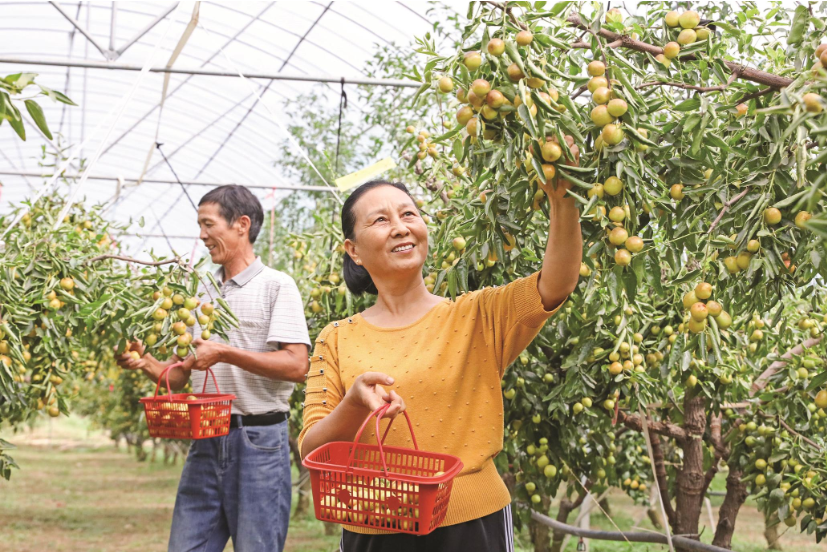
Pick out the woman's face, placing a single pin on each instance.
(390, 237)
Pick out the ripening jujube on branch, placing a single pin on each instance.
(701, 187)
(67, 301)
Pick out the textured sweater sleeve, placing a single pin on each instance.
(324, 389)
(514, 315)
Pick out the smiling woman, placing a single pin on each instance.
(444, 358)
(389, 204)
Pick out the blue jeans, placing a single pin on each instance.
(236, 486)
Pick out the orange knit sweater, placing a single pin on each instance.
(447, 366)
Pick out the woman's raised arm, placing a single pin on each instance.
(564, 250)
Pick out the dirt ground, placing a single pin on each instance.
(76, 492)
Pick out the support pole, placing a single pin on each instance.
(35, 174)
(145, 30)
(393, 83)
(106, 53)
(112, 22)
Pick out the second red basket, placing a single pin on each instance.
(188, 415)
(390, 488)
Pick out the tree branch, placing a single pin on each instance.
(746, 73)
(136, 261)
(660, 473)
(761, 382)
(681, 85)
(605, 59)
(721, 450)
(759, 93)
(701, 89)
(724, 209)
(503, 6)
(633, 421)
(794, 432)
(715, 437)
(736, 494)
(579, 91)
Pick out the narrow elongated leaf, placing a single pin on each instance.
(37, 115)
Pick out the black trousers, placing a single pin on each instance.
(492, 533)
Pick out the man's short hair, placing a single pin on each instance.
(234, 202)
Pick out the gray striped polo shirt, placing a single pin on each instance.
(270, 310)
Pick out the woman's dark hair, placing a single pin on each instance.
(357, 278)
(234, 202)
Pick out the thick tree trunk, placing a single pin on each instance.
(538, 531)
(566, 507)
(771, 532)
(736, 494)
(690, 480)
(303, 502)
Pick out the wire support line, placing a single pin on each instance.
(264, 91)
(172, 169)
(187, 79)
(275, 120)
(160, 181)
(106, 53)
(157, 223)
(145, 30)
(68, 73)
(122, 109)
(391, 83)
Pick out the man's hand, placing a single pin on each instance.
(127, 361)
(208, 353)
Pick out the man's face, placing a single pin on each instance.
(223, 240)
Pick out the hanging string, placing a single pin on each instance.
(342, 107)
(643, 418)
(158, 145)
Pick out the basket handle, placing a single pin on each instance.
(165, 376)
(379, 413)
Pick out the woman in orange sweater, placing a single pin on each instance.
(440, 358)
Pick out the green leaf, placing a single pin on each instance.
(59, 96)
(638, 136)
(691, 104)
(527, 120)
(21, 80)
(817, 381)
(37, 114)
(799, 25)
(91, 308)
(450, 134)
(16, 122)
(4, 101)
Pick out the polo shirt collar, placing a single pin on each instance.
(241, 279)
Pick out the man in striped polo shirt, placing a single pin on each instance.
(238, 486)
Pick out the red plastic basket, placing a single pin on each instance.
(173, 416)
(390, 488)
